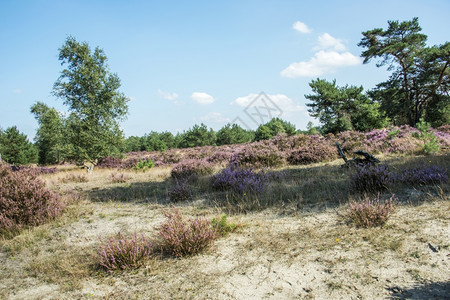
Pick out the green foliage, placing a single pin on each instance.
(233, 134)
(273, 128)
(15, 147)
(51, 134)
(418, 87)
(199, 135)
(343, 108)
(222, 226)
(144, 165)
(311, 130)
(90, 91)
(431, 142)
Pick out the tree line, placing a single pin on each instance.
(416, 91)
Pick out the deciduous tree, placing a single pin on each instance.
(92, 95)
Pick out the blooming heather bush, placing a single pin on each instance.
(74, 178)
(220, 157)
(172, 156)
(371, 212)
(180, 236)
(314, 154)
(121, 252)
(180, 191)
(424, 175)
(191, 168)
(119, 177)
(258, 155)
(375, 140)
(351, 141)
(239, 180)
(24, 200)
(110, 162)
(371, 178)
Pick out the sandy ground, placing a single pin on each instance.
(310, 255)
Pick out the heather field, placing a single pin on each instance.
(275, 219)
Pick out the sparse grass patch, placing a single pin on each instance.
(62, 265)
(77, 178)
(119, 177)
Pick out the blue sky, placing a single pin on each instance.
(188, 62)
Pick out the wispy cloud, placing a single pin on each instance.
(215, 117)
(17, 91)
(326, 41)
(202, 98)
(285, 103)
(301, 27)
(331, 54)
(323, 62)
(167, 95)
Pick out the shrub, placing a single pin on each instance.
(313, 154)
(180, 237)
(258, 155)
(424, 175)
(144, 165)
(222, 227)
(239, 180)
(74, 178)
(110, 162)
(180, 191)
(119, 177)
(121, 252)
(191, 168)
(371, 178)
(371, 213)
(24, 200)
(431, 142)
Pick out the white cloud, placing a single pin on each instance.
(326, 41)
(202, 98)
(167, 95)
(285, 103)
(214, 117)
(301, 27)
(323, 62)
(17, 91)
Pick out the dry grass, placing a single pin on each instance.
(293, 242)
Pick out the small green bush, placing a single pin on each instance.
(222, 226)
(431, 142)
(144, 165)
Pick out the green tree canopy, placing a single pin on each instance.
(273, 128)
(233, 134)
(343, 108)
(198, 135)
(15, 147)
(91, 93)
(419, 84)
(50, 136)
